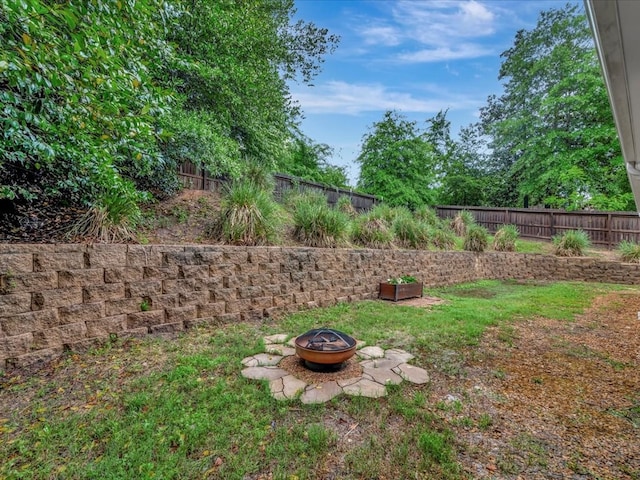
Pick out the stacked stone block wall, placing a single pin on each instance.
(74, 297)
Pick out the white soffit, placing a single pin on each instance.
(615, 27)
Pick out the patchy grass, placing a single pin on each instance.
(166, 409)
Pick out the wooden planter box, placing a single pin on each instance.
(402, 291)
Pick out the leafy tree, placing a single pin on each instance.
(465, 180)
(553, 138)
(233, 60)
(78, 101)
(397, 163)
(308, 160)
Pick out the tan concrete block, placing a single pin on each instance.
(34, 282)
(195, 271)
(80, 278)
(29, 322)
(59, 297)
(107, 291)
(15, 263)
(210, 257)
(34, 358)
(225, 294)
(211, 309)
(145, 319)
(14, 303)
(107, 255)
(193, 298)
(167, 328)
(16, 345)
(144, 288)
(122, 305)
(162, 273)
(160, 302)
(178, 286)
(222, 269)
(236, 306)
(57, 336)
(81, 313)
(107, 325)
(261, 303)
(58, 261)
(143, 256)
(249, 292)
(181, 314)
(123, 274)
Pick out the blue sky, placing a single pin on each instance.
(417, 57)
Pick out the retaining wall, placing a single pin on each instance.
(74, 297)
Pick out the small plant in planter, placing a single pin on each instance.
(400, 288)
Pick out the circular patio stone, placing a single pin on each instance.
(382, 375)
(277, 338)
(262, 360)
(412, 374)
(365, 388)
(263, 373)
(397, 354)
(287, 387)
(279, 349)
(370, 352)
(320, 393)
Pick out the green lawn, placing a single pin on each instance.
(180, 409)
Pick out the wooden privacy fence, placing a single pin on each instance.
(195, 178)
(604, 228)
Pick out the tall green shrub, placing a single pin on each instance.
(505, 238)
(572, 243)
(476, 238)
(248, 216)
(317, 225)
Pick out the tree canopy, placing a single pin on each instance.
(102, 99)
(397, 162)
(552, 134)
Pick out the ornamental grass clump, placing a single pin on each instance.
(371, 231)
(629, 251)
(476, 239)
(505, 238)
(461, 222)
(571, 244)
(345, 206)
(443, 238)
(316, 224)
(427, 215)
(411, 233)
(113, 217)
(248, 216)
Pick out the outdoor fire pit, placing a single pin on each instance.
(325, 349)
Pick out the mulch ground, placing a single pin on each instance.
(558, 399)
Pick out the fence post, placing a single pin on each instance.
(609, 236)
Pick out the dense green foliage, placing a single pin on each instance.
(308, 160)
(397, 162)
(552, 136)
(102, 99)
(79, 104)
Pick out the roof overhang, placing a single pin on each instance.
(617, 36)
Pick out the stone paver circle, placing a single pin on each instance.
(379, 369)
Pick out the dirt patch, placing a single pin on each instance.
(552, 399)
(423, 302)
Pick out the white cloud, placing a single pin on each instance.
(433, 31)
(353, 99)
(440, 54)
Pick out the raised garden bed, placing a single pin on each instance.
(401, 291)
